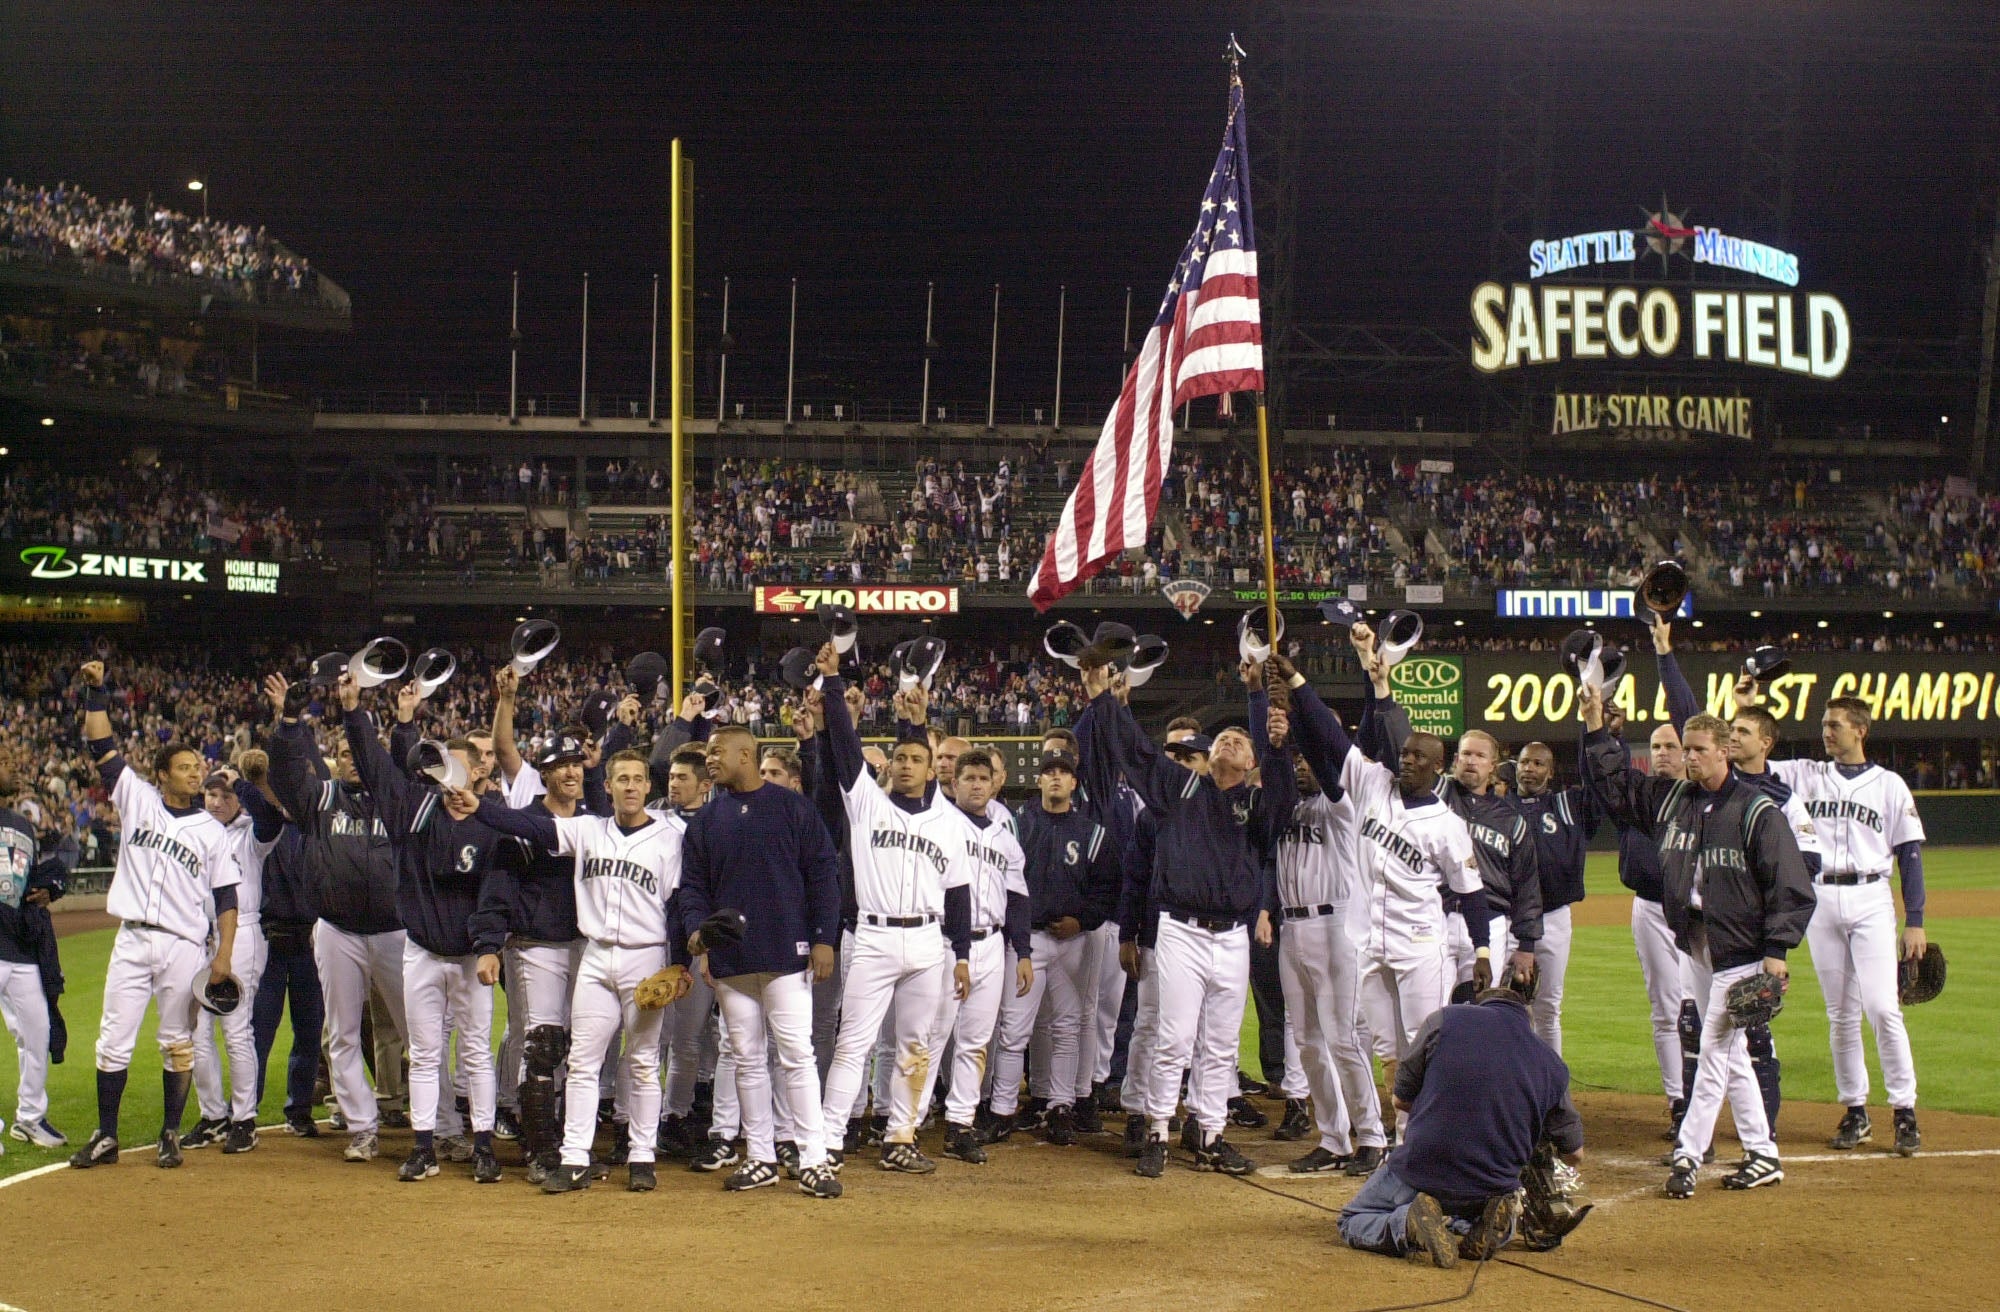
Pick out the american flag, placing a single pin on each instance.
(1206, 339)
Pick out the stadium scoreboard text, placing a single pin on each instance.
(790, 600)
(104, 569)
(1575, 603)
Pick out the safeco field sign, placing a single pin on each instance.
(1432, 690)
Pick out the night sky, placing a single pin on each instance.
(420, 152)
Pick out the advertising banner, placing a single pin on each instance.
(786, 599)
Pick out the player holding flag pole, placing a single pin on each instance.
(1207, 339)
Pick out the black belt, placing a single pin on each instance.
(979, 934)
(897, 922)
(145, 924)
(1307, 913)
(1849, 880)
(1213, 924)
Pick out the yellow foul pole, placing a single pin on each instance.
(681, 295)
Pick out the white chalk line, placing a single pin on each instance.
(40, 1171)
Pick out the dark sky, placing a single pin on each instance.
(419, 152)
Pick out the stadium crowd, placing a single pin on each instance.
(157, 507)
(66, 220)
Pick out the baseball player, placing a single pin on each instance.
(1738, 897)
(1072, 881)
(1561, 823)
(1412, 847)
(29, 882)
(174, 865)
(761, 848)
(626, 867)
(1210, 887)
(689, 1039)
(358, 942)
(1001, 912)
(1505, 848)
(1865, 820)
(443, 851)
(1676, 1020)
(251, 825)
(909, 874)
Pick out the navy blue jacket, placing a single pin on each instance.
(1072, 868)
(441, 863)
(348, 855)
(1138, 918)
(816, 778)
(1561, 822)
(767, 854)
(531, 891)
(290, 899)
(1638, 855)
(1483, 1091)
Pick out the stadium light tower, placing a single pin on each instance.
(196, 184)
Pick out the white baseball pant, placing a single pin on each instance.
(968, 1027)
(1551, 966)
(726, 1117)
(1399, 996)
(1204, 983)
(1321, 976)
(1061, 971)
(349, 964)
(601, 1008)
(540, 979)
(1855, 950)
(1102, 997)
(892, 973)
(434, 989)
(1724, 1067)
(26, 1010)
(1665, 967)
(149, 965)
(760, 1011)
(1139, 1048)
(826, 1019)
(1294, 1084)
(246, 959)
(684, 1035)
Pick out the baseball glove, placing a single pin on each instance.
(657, 990)
(1755, 999)
(1920, 979)
(722, 929)
(1547, 1214)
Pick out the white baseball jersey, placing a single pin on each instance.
(1405, 856)
(524, 787)
(168, 864)
(997, 812)
(903, 861)
(249, 852)
(1859, 822)
(623, 879)
(1316, 854)
(994, 866)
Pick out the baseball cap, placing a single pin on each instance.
(1195, 744)
(559, 748)
(1056, 761)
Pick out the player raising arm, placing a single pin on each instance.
(173, 862)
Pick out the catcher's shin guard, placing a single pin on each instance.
(1764, 1064)
(1689, 1025)
(544, 1048)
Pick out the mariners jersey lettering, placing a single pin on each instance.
(903, 860)
(1487, 835)
(994, 867)
(1859, 821)
(1316, 864)
(167, 864)
(1405, 854)
(623, 880)
(249, 852)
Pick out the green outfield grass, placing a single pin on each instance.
(1606, 1035)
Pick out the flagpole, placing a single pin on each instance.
(1235, 54)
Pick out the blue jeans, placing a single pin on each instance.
(289, 969)
(1373, 1221)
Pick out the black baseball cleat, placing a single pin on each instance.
(1676, 1111)
(1190, 1134)
(1320, 1161)
(242, 1137)
(1221, 1156)
(674, 1140)
(1242, 1114)
(1853, 1130)
(1493, 1230)
(485, 1166)
(301, 1124)
(715, 1155)
(1427, 1234)
(621, 1143)
(788, 1158)
(1135, 1135)
(835, 1159)
(1366, 1158)
(999, 1129)
(566, 1179)
(856, 1128)
(752, 1175)
(101, 1150)
(872, 1133)
(1755, 1172)
(821, 1182)
(421, 1164)
(607, 1110)
(1059, 1128)
(1031, 1114)
(506, 1124)
(1152, 1158)
(1107, 1097)
(204, 1133)
(540, 1167)
(906, 1158)
(1083, 1116)
(639, 1178)
(1908, 1140)
(599, 1168)
(391, 1120)
(1673, 1155)
(962, 1143)
(170, 1150)
(1298, 1123)
(1255, 1088)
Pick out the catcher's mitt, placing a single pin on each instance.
(722, 929)
(657, 990)
(1755, 999)
(1547, 1214)
(1920, 979)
